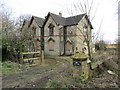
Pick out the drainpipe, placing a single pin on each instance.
(42, 38)
(65, 38)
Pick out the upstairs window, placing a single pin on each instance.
(85, 30)
(51, 29)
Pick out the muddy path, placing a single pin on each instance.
(41, 81)
(37, 77)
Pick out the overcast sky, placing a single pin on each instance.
(107, 10)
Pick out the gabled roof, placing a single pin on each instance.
(73, 20)
(58, 19)
(38, 20)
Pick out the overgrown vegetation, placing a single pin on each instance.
(12, 41)
(11, 50)
(10, 68)
(100, 45)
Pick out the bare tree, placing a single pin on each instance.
(7, 21)
(86, 6)
(11, 44)
(22, 18)
(27, 35)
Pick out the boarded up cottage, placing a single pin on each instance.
(61, 36)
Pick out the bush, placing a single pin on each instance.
(11, 50)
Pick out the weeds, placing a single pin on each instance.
(56, 84)
(10, 67)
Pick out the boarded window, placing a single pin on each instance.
(51, 45)
(68, 46)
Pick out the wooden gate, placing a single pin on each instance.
(30, 60)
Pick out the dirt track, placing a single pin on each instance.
(37, 77)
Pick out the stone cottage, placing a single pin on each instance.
(60, 35)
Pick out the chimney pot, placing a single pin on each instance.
(60, 14)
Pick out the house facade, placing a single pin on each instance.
(62, 36)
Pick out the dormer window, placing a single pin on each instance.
(51, 29)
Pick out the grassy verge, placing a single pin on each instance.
(10, 68)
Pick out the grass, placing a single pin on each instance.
(67, 79)
(96, 55)
(10, 68)
(56, 84)
(68, 59)
(25, 79)
(0, 66)
(31, 77)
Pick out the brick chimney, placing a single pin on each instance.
(60, 14)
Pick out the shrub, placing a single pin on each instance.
(11, 50)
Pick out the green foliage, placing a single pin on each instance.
(10, 67)
(55, 84)
(11, 50)
(0, 38)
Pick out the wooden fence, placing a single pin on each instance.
(30, 60)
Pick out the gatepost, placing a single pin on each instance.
(80, 62)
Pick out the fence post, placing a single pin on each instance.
(42, 57)
(21, 58)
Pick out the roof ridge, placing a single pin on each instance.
(38, 20)
(37, 17)
(76, 15)
(55, 14)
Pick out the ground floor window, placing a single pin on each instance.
(51, 45)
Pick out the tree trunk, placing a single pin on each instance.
(89, 51)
